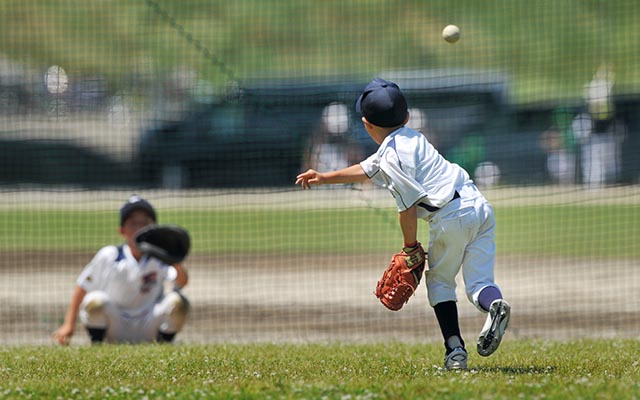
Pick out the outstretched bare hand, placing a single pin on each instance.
(311, 177)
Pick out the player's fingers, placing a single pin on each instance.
(312, 181)
(310, 173)
(306, 179)
(304, 174)
(302, 182)
(61, 339)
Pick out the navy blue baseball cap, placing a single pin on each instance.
(382, 103)
(134, 203)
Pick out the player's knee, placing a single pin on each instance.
(94, 309)
(176, 312)
(178, 304)
(95, 303)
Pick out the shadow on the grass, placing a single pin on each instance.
(517, 370)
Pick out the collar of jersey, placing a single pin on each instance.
(390, 137)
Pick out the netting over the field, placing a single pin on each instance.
(209, 109)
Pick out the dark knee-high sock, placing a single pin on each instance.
(163, 337)
(96, 334)
(447, 315)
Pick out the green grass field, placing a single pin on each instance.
(595, 231)
(593, 369)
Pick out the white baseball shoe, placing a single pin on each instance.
(456, 359)
(494, 327)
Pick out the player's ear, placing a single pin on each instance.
(367, 125)
(121, 230)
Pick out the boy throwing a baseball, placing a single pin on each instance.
(119, 295)
(427, 186)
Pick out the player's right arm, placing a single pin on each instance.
(93, 277)
(352, 174)
(63, 334)
(408, 220)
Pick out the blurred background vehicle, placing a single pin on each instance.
(254, 138)
(45, 162)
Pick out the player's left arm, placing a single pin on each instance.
(182, 277)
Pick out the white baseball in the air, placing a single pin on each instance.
(451, 33)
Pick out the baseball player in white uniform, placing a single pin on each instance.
(427, 186)
(120, 295)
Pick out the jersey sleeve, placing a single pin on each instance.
(95, 274)
(371, 165)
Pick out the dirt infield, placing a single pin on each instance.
(310, 298)
(360, 195)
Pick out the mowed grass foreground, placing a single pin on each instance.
(602, 369)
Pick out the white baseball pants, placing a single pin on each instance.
(99, 311)
(461, 235)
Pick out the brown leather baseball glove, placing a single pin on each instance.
(402, 277)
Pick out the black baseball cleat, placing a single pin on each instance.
(494, 327)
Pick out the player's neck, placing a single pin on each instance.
(380, 134)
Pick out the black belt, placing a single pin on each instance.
(430, 208)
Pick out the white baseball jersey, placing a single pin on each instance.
(413, 170)
(133, 286)
(461, 221)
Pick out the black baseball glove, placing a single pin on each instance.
(168, 243)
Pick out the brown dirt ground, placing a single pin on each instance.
(320, 298)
